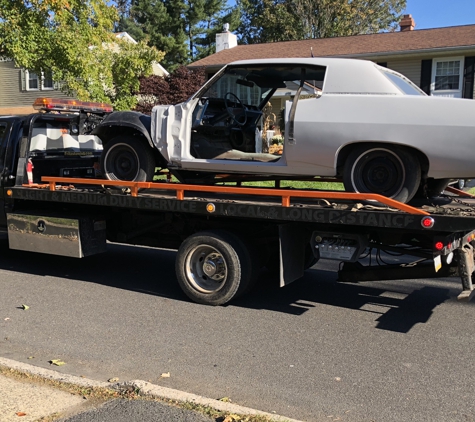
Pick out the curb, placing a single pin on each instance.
(148, 389)
(145, 388)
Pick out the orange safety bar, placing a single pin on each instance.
(284, 194)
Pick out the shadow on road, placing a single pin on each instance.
(398, 313)
(152, 271)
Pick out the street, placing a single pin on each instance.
(316, 350)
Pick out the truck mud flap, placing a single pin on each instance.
(66, 236)
(292, 242)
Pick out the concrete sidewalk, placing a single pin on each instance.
(26, 401)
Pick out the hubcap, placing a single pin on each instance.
(122, 162)
(378, 171)
(206, 269)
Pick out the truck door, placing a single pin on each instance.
(5, 171)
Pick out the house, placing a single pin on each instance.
(441, 61)
(20, 87)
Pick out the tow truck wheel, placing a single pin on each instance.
(214, 267)
(385, 170)
(127, 159)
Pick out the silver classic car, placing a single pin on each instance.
(351, 119)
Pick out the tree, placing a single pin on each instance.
(184, 29)
(74, 40)
(174, 88)
(268, 21)
(283, 20)
(205, 39)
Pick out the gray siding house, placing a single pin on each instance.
(19, 88)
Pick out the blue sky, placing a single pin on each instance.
(438, 13)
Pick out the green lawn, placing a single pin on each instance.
(295, 184)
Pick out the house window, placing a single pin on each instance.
(47, 80)
(35, 81)
(32, 81)
(447, 77)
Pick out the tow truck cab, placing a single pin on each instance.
(57, 140)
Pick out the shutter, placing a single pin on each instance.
(468, 77)
(426, 75)
(23, 79)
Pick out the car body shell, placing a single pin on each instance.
(358, 104)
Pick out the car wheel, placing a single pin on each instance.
(127, 159)
(389, 171)
(214, 267)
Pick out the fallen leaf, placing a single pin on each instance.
(165, 375)
(225, 399)
(57, 362)
(31, 357)
(7, 319)
(115, 379)
(337, 379)
(231, 418)
(25, 307)
(20, 413)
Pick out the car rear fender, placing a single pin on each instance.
(344, 151)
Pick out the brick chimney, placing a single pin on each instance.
(225, 40)
(407, 23)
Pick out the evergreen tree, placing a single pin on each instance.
(184, 29)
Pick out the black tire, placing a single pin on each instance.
(214, 267)
(385, 170)
(127, 159)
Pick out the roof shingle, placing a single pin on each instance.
(388, 42)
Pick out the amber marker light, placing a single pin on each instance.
(9, 192)
(210, 208)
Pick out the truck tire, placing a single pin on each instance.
(385, 170)
(214, 267)
(127, 159)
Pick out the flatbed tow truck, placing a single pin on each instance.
(224, 234)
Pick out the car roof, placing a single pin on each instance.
(343, 76)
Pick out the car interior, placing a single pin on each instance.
(228, 118)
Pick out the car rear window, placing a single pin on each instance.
(402, 83)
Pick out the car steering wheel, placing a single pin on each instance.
(230, 110)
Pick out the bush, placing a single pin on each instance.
(171, 89)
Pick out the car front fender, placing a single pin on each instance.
(122, 123)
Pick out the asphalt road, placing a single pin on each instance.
(316, 350)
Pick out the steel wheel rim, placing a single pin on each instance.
(206, 269)
(373, 172)
(122, 162)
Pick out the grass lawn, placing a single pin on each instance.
(295, 184)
